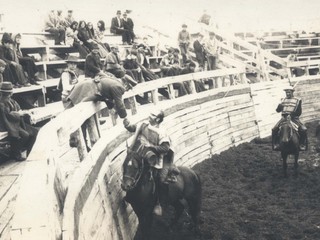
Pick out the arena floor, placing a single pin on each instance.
(245, 196)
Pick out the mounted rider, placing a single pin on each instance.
(291, 106)
(151, 137)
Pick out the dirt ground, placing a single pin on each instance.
(245, 196)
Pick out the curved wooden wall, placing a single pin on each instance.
(200, 125)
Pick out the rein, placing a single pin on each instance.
(136, 179)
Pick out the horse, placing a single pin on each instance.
(289, 143)
(138, 182)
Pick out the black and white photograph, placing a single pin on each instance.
(159, 120)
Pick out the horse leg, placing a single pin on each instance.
(144, 227)
(178, 207)
(296, 165)
(194, 207)
(285, 166)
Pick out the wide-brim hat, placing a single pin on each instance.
(72, 59)
(118, 12)
(114, 47)
(184, 25)
(289, 88)
(6, 87)
(95, 46)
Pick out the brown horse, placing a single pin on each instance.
(289, 144)
(139, 183)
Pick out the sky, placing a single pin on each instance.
(168, 15)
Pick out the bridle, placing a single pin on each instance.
(138, 175)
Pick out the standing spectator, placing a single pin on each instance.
(205, 18)
(69, 78)
(26, 62)
(184, 42)
(117, 26)
(211, 51)
(52, 25)
(99, 34)
(128, 26)
(21, 134)
(93, 64)
(69, 19)
(199, 50)
(84, 36)
(73, 40)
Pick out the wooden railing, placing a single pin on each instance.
(40, 203)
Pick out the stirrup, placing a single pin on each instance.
(157, 210)
(303, 147)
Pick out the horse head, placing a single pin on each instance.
(132, 169)
(287, 130)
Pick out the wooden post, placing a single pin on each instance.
(79, 140)
(155, 96)
(171, 92)
(113, 116)
(92, 126)
(192, 86)
(133, 105)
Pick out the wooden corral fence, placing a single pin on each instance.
(67, 193)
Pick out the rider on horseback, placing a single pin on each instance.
(158, 152)
(290, 105)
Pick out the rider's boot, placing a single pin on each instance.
(303, 140)
(275, 141)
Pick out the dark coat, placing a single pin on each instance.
(115, 25)
(93, 65)
(107, 89)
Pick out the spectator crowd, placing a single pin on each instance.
(110, 75)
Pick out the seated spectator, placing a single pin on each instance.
(2, 69)
(69, 19)
(69, 78)
(142, 56)
(52, 25)
(102, 50)
(114, 66)
(169, 64)
(12, 120)
(199, 50)
(190, 68)
(73, 40)
(117, 26)
(93, 64)
(205, 18)
(146, 48)
(84, 36)
(211, 51)
(99, 34)
(128, 25)
(14, 73)
(27, 63)
(130, 63)
(184, 42)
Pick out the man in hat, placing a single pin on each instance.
(184, 42)
(199, 50)
(21, 134)
(290, 105)
(128, 27)
(117, 26)
(155, 144)
(69, 19)
(93, 64)
(113, 66)
(211, 51)
(69, 78)
(53, 25)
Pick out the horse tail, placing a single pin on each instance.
(199, 193)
